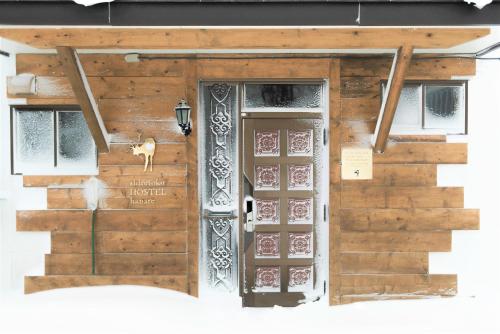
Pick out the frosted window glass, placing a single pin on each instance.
(76, 146)
(445, 108)
(282, 95)
(408, 113)
(34, 146)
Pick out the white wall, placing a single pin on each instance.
(20, 253)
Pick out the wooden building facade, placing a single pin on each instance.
(366, 239)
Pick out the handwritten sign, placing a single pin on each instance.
(357, 163)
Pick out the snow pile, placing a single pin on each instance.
(479, 3)
(91, 2)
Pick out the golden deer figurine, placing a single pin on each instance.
(147, 148)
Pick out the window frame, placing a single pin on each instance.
(55, 169)
(422, 130)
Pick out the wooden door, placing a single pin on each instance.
(281, 168)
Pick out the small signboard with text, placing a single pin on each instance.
(357, 163)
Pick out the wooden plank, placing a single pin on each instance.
(396, 241)
(41, 283)
(358, 132)
(444, 285)
(97, 65)
(70, 242)
(385, 263)
(390, 102)
(141, 220)
(130, 176)
(417, 138)
(119, 242)
(141, 264)
(364, 107)
(242, 38)
(161, 131)
(117, 198)
(111, 88)
(420, 69)
(402, 197)
(54, 180)
(53, 220)
(423, 153)
(193, 205)
(120, 154)
(225, 69)
(139, 108)
(80, 86)
(141, 242)
(409, 219)
(359, 87)
(335, 135)
(52, 102)
(66, 198)
(68, 264)
(158, 198)
(399, 175)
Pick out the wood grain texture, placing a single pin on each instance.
(120, 154)
(141, 264)
(444, 285)
(129, 176)
(422, 153)
(420, 69)
(53, 220)
(402, 197)
(385, 263)
(224, 69)
(242, 38)
(141, 242)
(161, 131)
(436, 219)
(335, 135)
(41, 283)
(54, 180)
(399, 175)
(142, 220)
(193, 206)
(99, 64)
(396, 241)
(68, 264)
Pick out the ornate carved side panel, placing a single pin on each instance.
(219, 204)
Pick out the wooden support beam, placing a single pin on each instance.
(76, 76)
(242, 38)
(390, 101)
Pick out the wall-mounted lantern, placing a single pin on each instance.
(183, 113)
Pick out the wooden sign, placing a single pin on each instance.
(357, 164)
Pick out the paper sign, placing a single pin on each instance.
(357, 164)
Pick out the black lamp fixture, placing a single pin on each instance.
(183, 113)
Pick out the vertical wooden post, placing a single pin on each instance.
(335, 135)
(395, 84)
(193, 214)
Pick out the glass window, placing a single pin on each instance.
(431, 107)
(34, 139)
(408, 113)
(49, 142)
(286, 96)
(445, 108)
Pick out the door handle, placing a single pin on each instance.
(249, 219)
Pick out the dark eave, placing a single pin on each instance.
(249, 13)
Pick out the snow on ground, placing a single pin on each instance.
(127, 309)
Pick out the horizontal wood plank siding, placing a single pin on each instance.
(41, 283)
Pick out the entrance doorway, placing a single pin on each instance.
(282, 184)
